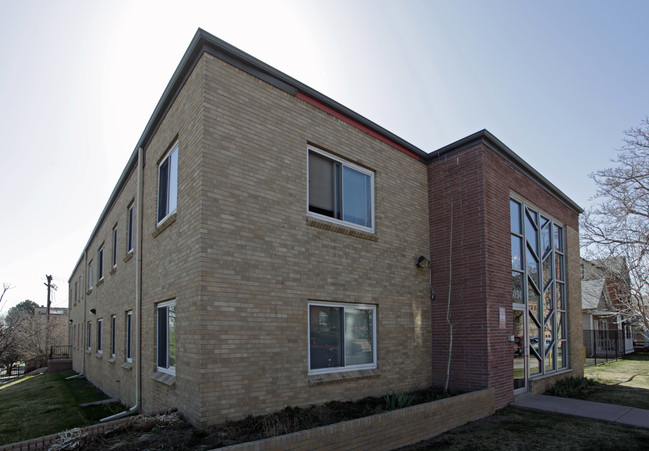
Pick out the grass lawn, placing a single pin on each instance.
(624, 382)
(515, 429)
(43, 404)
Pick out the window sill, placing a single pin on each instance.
(101, 282)
(331, 378)
(99, 355)
(113, 271)
(111, 360)
(127, 365)
(164, 378)
(89, 292)
(88, 351)
(341, 229)
(539, 377)
(166, 222)
(128, 256)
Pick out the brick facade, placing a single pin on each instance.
(242, 259)
(469, 195)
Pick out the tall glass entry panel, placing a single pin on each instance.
(518, 331)
(539, 304)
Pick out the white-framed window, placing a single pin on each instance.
(113, 323)
(114, 246)
(340, 191)
(90, 270)
(89, 337)
(100, 263)
(131, 228)
(129, 336)
(342, 337)
(76, 293)
(100, 345)
(166, 337)
(168, 184)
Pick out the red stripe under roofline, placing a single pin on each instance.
(353, 123)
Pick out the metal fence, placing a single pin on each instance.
(60, 352)
(16, 370)
(603, 345)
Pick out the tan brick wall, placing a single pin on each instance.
(242, 261)
(262, 262)
(114, 296)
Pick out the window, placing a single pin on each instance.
(89, 337)
(168, 184)
(100, 263)
(538, 272)
(341, 337)
(115, 247)
(129, 244)
(129, 335)
(167, 337)
(90, 269)
(76, 293)
(100, 347)
(74, 336)
(340, 191)
(113, 321)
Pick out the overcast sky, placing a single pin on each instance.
(558, 82)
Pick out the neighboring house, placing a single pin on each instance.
(58, 329)
(608, 330)
(265, 246)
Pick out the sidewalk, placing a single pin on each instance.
(628, 416)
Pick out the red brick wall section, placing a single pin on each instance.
(480, 183)
(455, 193)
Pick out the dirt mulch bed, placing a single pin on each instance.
(169, 431)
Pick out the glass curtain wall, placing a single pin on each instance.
(538, 282)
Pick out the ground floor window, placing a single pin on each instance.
(89, 337)
(113, 321)
(341, 337)
(167, 337)
(100, 347)
(129, 329)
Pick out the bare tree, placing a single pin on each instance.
(618, 226)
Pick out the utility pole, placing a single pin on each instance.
(49, 302)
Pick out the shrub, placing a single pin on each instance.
(572, 387)
(398, 400)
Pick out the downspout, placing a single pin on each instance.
(138, 293)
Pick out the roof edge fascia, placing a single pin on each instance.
(490, 141)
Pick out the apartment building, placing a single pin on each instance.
(266, 246)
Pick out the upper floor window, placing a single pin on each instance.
(168, 184)
(129, 242)
(100, 263)
(340, 191)
(115, 246)
(90, 269)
